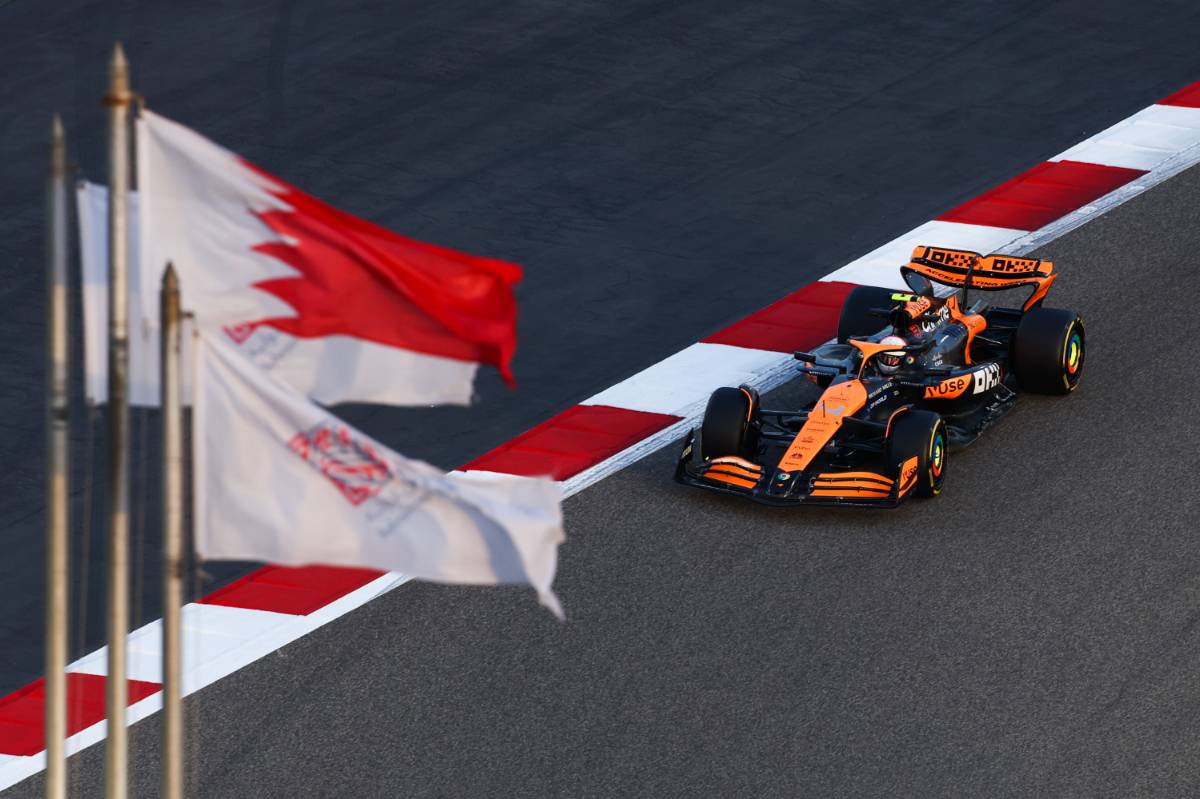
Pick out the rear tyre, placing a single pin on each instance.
(920, 434)
(856, 319)
(726, 427)
(1048, 351)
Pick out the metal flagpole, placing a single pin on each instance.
(57, 453)
(117, 744)
(172, 497)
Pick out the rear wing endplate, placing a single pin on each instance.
(967, 269)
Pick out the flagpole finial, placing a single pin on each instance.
(58, 148)
(170, 280)
(118, 78)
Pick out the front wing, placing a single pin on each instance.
(862, 488)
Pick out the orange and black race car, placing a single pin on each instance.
(910, 375)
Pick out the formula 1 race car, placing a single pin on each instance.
(937, 374)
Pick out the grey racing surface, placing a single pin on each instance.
(1034, 631)
(659, 168)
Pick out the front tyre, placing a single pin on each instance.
(920, 434)
(726, 426)
(1049, 350)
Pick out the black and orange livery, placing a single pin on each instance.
(910, 375)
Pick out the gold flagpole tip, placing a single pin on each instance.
(170, 281)
(118, 78)
(58, 148)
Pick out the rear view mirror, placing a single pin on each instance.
(918, 283)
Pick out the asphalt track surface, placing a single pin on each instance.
(660, 169)
(1032, 632)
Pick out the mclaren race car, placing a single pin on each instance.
(910, 375)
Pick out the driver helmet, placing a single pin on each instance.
(889, 362)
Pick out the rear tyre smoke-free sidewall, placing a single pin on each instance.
(1049, 350)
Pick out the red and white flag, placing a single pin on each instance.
(279, 479)
(334, 306)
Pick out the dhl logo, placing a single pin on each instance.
(1009, 266)
(956, 258)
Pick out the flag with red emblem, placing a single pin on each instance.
(279, 479)
(334, 306)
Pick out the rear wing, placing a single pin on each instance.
(970, 270)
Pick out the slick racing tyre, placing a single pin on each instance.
(1048, 351)
(857, 319)
(726, 428)
(921, 434)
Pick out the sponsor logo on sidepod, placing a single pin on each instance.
(986, 378)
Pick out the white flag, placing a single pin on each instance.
(279, 479)
(91, 201)
(332, 305)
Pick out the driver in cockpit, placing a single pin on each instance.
(888, 363)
